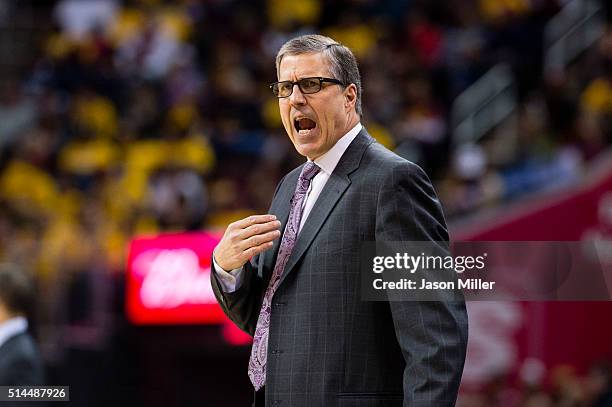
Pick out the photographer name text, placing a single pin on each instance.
(407, 284)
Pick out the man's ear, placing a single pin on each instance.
(350, 95)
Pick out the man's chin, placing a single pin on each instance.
(310, 152)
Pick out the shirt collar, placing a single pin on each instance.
(330, 159)
(12, 327)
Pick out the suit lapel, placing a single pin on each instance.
(335, 187)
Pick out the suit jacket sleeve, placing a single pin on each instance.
(243, 305)
(431, 334)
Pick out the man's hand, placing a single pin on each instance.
(246, 238)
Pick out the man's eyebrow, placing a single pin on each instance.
(304, 77)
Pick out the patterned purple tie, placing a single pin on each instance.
(259, 352)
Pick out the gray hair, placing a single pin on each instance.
(342, 62)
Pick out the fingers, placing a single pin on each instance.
(255, 250)
(260, 239)
(253, 220)
(260, 229)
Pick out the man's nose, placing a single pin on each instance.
(297, 97)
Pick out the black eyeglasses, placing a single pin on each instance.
(307, 86)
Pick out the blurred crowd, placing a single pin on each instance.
(139, 116)
(563, 387)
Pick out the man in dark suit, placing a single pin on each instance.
(20, 363)
(316, 342)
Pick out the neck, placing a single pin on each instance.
(352, 121)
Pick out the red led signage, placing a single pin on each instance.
(168, 280)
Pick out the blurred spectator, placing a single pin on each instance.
(79, 18)
(566, 388)
(20, 362)
(598, 385)
(17, 112)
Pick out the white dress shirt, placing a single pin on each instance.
(12, 327)
(230, 281)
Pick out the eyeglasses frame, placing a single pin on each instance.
(321, 81)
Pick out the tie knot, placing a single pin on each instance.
(309, 171)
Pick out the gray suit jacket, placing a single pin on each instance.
(328, 347)
(20, 363)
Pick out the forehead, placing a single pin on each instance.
(303, 66)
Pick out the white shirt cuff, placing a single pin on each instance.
(229, 281)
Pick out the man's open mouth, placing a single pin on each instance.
(304, 125)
